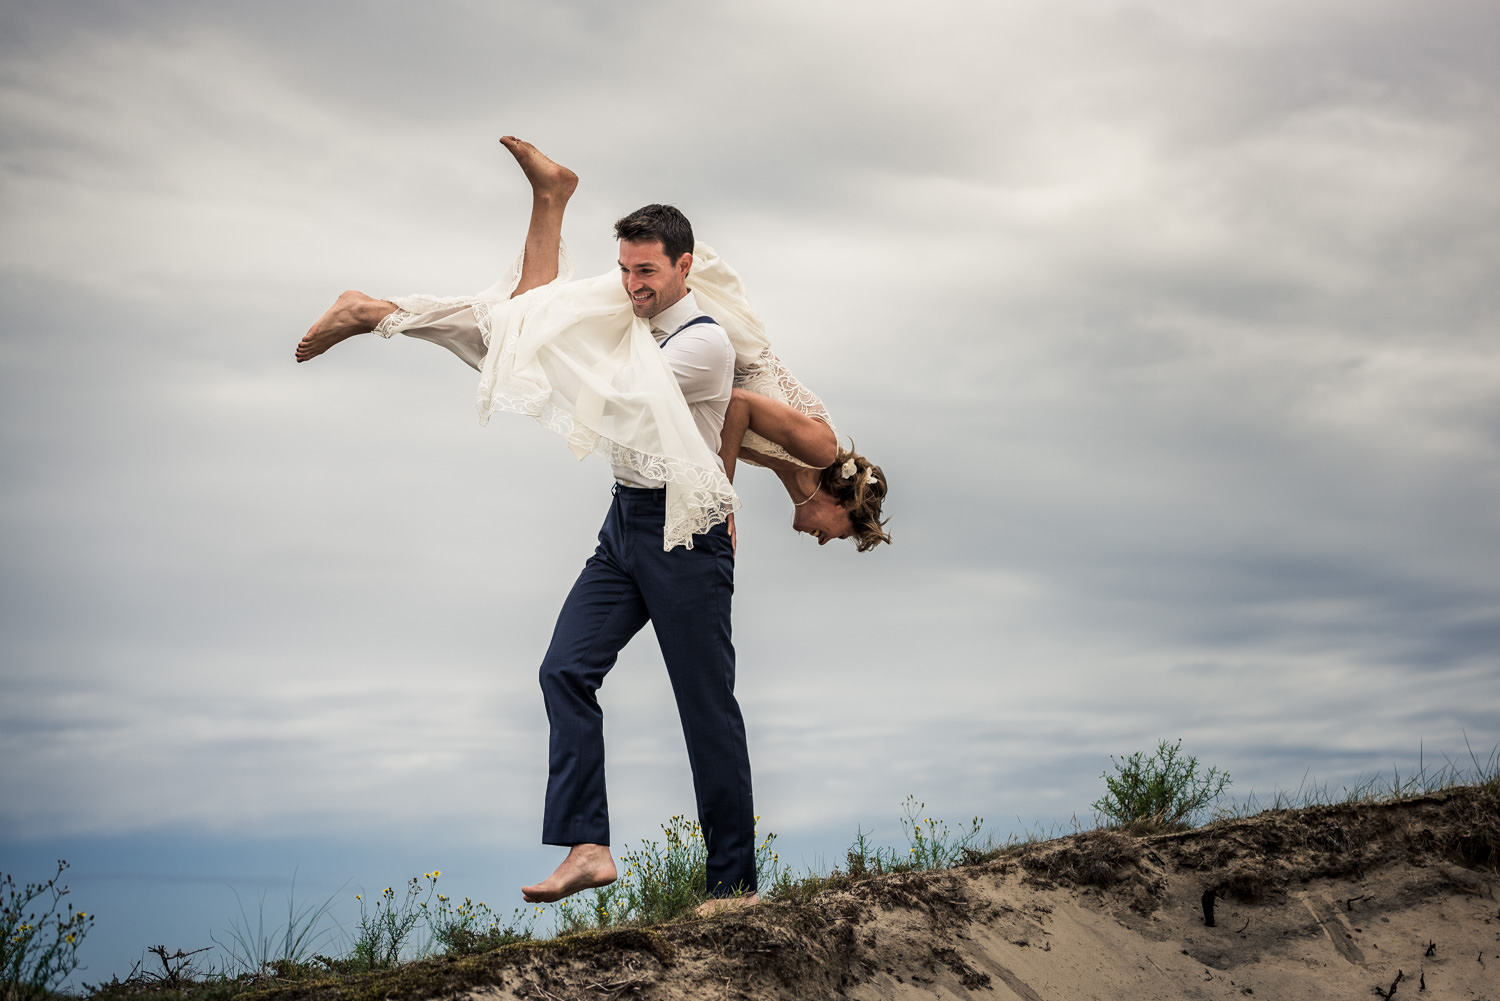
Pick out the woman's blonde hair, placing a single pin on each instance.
(859, 486)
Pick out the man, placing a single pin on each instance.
(684, 592)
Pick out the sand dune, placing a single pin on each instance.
(1329, 902)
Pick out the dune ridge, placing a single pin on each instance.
(1364, 900)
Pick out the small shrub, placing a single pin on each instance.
(469, 928)
(383, 939)
(930, 845)
(1165, 790)
(862, 859)
(38, 942)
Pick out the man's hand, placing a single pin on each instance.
(734, 541)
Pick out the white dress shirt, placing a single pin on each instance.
(702, 359)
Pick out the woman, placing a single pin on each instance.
(572, 355)
(836, 493)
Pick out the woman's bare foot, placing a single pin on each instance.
(548, 179)
(586, 867)
(351, 313)
(718, 905)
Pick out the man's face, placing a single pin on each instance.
(652, 281)
(823, 518)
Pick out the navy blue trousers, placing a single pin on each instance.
(686, 595)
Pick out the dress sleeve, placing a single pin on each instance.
(768, 376)
(451, 325)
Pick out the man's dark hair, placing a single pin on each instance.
(660, 223)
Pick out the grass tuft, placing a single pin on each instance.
(258, 952)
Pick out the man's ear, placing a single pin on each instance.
(685, 264)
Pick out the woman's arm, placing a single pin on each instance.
(805, 438)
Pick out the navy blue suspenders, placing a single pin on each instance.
(696, 319)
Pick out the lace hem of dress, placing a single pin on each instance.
(695, 500)
(390, 325)
(769, 376)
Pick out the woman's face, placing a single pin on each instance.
(823, 518)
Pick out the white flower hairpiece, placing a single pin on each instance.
(849, 469)
(872, 479)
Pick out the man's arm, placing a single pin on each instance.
(703, 361)
(736, 422)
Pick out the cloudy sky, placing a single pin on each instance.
(1174, 327)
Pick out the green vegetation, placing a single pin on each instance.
(469, 928)
(929, 845)
(383, 939)
(38, 941)
(256, 952)
(1379, 789)
(1163, 792)
(660, 882)
(399, 929)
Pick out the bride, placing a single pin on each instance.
(572, 355)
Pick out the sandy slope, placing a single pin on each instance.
(1328, 902)
(1315, 941)
(1331, 902)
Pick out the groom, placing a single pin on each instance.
(684, 593)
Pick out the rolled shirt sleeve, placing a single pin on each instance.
(703, 361)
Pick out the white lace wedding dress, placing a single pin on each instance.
(574, 356)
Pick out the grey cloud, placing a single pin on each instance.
(1169, 327)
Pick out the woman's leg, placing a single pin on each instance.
(551, 186)
(351, 313)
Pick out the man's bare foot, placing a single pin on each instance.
(351, 313)
(586, 867)
(720, 905)
(548, 179)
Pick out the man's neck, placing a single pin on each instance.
(675, 315)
